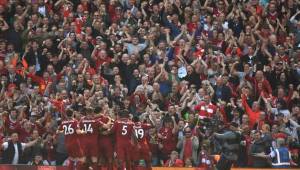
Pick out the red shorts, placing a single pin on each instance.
(124, 151)
(90, 147)
(74, 149)
(135, 153)
(143, 152)
(106, 148)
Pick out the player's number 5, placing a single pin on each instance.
(124, 130)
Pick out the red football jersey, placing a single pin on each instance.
(139, 130)
(91, 127)
(104, 119)
(69, 128)
(123, 129)
(11, 125)
(206, 110)
(168, 141)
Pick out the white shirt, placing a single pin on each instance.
(141, 87)
(42, 10)
(16, 156)
(285, 112)
(225, 25)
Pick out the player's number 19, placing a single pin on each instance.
(139, 133)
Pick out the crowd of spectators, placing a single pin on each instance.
(196, 65)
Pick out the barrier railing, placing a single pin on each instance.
(27, 167)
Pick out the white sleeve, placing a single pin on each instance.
(274, 111)
(142, 46)
(241, 75)
(5, 145)
(208, 162)
(45, 163)
(23, 145)
(272, 154)
(295, 124)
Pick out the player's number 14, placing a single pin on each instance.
(88, 128)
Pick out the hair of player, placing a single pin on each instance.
(124, 113)
(98, 109)
(135, 119)
(89, 110)
(69, 112)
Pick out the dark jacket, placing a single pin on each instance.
(225, 93)
(231, 144)
(15, 79)
(195, 147)
(8, 154)
(42, 60)
(258, 147)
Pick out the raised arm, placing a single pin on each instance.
(245, 104)
(5, 25)
(59, 3)
(293, 18)
(210, 9)
(31, 143)
(270, 26)
(225, 136)
(175, 128)
(159, 75)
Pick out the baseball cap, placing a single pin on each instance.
(99, 38)
(33, 114)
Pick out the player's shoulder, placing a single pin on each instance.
(118, 121)
(202, 103)
(70, 121)
(82, 118)
(146, 125)
(86, 118)
(122, 120)
(130, 123)
(100, 116)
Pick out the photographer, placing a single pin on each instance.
(231, 145)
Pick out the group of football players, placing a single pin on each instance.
(96, 140)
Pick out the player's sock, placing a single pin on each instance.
(80, 166)
(129, 165)
(109, 166)
(71, 165)
(120, 165)
(148, 164)
(94, 166)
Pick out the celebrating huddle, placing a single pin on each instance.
(96, 136)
